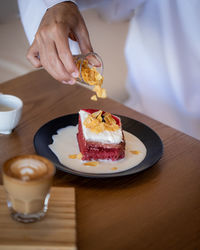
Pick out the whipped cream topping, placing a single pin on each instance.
(28, 169)
(103, 137)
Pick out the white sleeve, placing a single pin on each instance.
(51, 3)
(117, 10)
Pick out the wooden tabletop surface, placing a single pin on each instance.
(155, 209)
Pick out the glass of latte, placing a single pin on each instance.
(27, 180)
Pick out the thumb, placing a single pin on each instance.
(33, 55)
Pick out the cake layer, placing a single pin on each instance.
(92, 150)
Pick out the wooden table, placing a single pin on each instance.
(156, 209)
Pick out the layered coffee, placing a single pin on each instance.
(27, 180)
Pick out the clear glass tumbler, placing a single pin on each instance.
(93, 60)
(27, 180)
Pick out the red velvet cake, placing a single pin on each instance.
(100, 136)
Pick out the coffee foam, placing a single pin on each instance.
(28, 169)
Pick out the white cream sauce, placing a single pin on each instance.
(65, 144)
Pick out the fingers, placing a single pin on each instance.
(94, 61)
(64, 53)
(33, 55)
(85, 44)
(72, 36)
(82, 35)
(51, 62)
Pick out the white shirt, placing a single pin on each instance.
(162, 52)
(163, 59)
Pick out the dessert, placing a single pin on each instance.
(100, 136)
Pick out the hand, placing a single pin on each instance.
(50, 47)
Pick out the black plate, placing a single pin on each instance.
(151, 140)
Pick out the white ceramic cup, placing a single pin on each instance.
(10, 112)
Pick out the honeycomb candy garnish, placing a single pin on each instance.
(76, 156)
(135, 152)
(89, 75)
(72, 156)
(99, 117)
(93, 98)
(98, 129)
(109, 119)
(98, 76)
(92, 77)
(97, 113)
(100, 92)
(113, 127)
(79, 156)
(91, 122)
(98, 122)
(91, 163)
